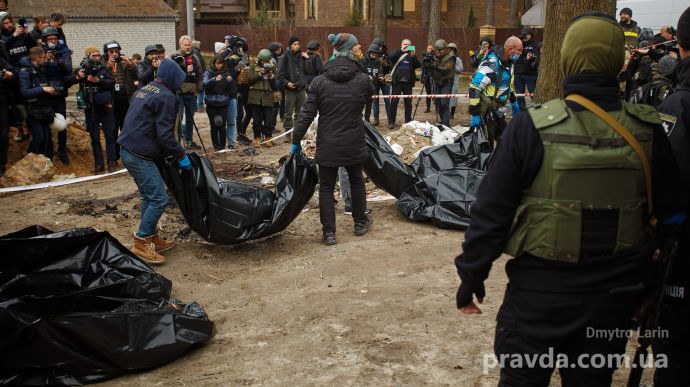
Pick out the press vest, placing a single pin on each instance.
(588, 199)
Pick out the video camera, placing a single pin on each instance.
(179, 59)
(91, 67)
(428, 57)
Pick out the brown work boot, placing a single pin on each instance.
(162, 244)
(257, 142)
(269, 143)
(145, 249)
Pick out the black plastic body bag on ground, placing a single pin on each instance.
(230, 212)
(77, 307)
(439, 186)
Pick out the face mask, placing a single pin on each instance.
(52, 45)
(514, 57)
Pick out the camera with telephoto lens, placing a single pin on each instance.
(268, 67)
(428, 57)
(179, 59)
(91, 67)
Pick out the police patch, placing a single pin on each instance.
(668, 122)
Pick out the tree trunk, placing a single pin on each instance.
(514, 13)
(434, 20)
(181, 25)
(558, 16)
(425, 13)
(379, 19)
(490, 6)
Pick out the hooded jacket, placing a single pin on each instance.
(338, 95)
(148, 130)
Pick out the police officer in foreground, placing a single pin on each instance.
(675, 312)
(568, 198)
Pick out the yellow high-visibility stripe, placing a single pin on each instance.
(631, 34)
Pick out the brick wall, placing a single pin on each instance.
(132, 35)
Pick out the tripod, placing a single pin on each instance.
(425, 78)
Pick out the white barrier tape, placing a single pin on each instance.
(403, 96)
(272, 139)
(59, 183)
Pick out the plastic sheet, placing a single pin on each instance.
(230, 212)
(77, 307)
(440, 185)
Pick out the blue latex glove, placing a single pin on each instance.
(295, 149)
(184, 163)
(515, 108)
(475, 121)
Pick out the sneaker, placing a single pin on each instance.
(348, 211)
(145, 248)
(98, 169)
(232, 146)
(329, 239)
(363, 228)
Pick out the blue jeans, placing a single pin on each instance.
(96, 117)
(232, 120)
(522, 80)
(200, 99)
(154, 199)
(443, 104)
(385, 90)
(187, 105)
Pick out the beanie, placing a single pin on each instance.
(292, 39)
(626, 11)
(343, 41)
(683, 31)
(90, 50)
(150, 48)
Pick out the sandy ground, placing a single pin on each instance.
(372, 310)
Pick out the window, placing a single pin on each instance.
(394, 9)
(268, 5)
(310, 9)
(358, 8)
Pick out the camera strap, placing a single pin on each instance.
(398, 62)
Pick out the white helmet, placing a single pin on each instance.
(218, 46)
(59, 122)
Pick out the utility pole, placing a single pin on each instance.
(190, 18)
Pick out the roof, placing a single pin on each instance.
(224, 6)
(140, 9)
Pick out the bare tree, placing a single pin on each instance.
(490, 7)
(514, 13)
(434, 20)
(425, 13)
(379, 19)
(558, 17)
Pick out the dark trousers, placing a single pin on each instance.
(495, 127)
(327, 179)
(428, 90)
(443, 104)
(397, 89)
(535, 323)
(98, 116)
(4, 134)
(120, 107)
(59, 106)
(244, 113)
(218, 132)
(40, 138)
(263, 120)
(522, 80)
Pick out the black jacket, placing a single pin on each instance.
(146, 72)
(312, 66)
(291, 69)
(524, 66)
(18, 47)
(338, 96)
(6, 84)
(516, 162)
(375, 69)
(405, 71)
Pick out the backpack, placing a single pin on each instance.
(651, 94)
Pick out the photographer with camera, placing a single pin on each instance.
(291, 76)
(16, 37)
(189, 63)
(442, 72)
(221, 92)
(125, 74)
(146, 70)
(7, 76)
(485, 45)
(372, 63)
(403, 78)
(58, 65)
(527, 66)
(96, 84)
(262, 84)
(427, 59)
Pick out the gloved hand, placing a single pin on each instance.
(463, 298)
(295, 149)
(515, 108)
(184, 163)
(475, 121)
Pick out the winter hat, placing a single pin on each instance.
(3, 15)
(343, 41)
(379, 42)
(292, 39)
(626, 11)
(150, 48)
(313, 45)
(374, 48)
(90, 50)
(683, 30)
(667, 65)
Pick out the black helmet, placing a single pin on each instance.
(378, 41)
(49, 31)
(229, 37)
(110, 45)
(374, 48)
